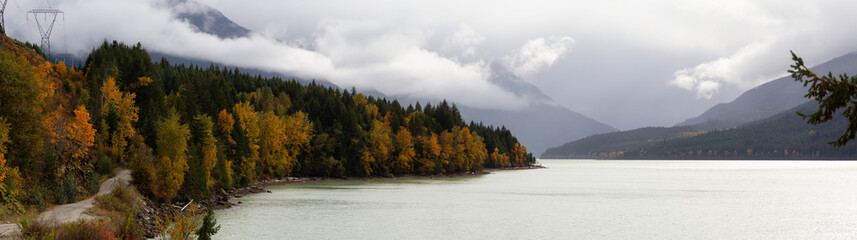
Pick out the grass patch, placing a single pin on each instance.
(121, 200)
(120, 208)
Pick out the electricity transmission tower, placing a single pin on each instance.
(3, 16)
(48, 15)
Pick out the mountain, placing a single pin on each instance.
(782, 136)
(768, 99)
(207, 19)
(540, 126)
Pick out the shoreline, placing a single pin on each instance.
(220, 200)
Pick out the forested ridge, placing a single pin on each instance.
(782, 136)
(189, 131)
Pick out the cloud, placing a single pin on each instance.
(463, 43)
(739, 69)
(538, 54)
(395, 62)
(392, 59)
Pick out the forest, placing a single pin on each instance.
(189, 131)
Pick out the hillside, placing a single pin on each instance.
(614, 142)
(782, 136)
(770, 98)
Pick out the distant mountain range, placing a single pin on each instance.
(759, 124)
(768, 99)
(782, 136)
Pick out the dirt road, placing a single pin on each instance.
(72, 211)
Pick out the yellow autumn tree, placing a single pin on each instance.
(379, 145)
(458, 156)
(282, 141)
(81, 135)
(298, 136)
(118, 106)
(404, 146)
(4, 138)
(207, 145)
(226, 122)
(429, 155)
(519, 153)
(248, 120)
(474, 150)
(498, 159)
(366, 162)
(172, 138)
(273, 155)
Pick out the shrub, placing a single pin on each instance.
(121, 207)
(125, 227)
(121, 199)
(105, 165)
(93, 182)
(36, 197)
(65, 191)
(84, 230)
(32, 229)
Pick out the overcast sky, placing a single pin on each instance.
(626, 63)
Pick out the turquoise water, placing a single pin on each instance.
(570, 199)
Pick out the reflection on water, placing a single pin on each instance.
(568, 200)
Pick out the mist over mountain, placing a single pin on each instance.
(770, 98)
(544, 124)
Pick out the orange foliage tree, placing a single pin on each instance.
(81, 135)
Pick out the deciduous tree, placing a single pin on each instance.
(172, 141)
(403, 164)
(121, 115)
(81, 135)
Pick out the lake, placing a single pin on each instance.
(570, 199)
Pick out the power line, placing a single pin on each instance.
(48, 28)
(3, 15)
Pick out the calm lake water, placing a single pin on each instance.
(570, 199)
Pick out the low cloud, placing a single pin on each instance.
(394, 60)
(740, 69)
(538, 54)
(462, 44)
